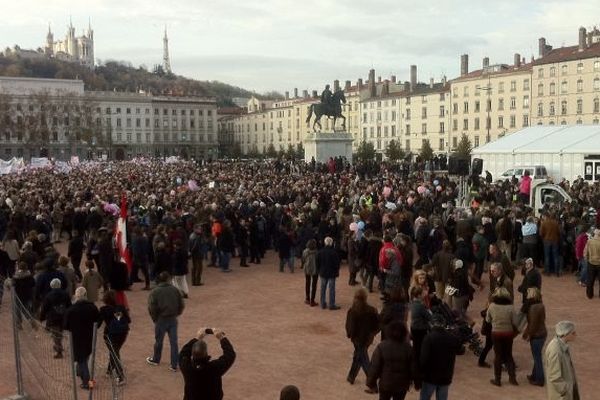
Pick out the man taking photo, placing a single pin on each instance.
(201, 375)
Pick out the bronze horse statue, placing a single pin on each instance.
(334, 109)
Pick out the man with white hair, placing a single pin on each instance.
(54, 307)
(328, 266)
(561, 381)
(80, 319)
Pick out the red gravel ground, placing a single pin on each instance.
(279, 340)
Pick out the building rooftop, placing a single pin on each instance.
(495, 70)
(569, 53)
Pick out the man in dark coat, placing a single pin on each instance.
(79, 320)
(53, 310)
(201, 375)
(438, 353)
(532, 278)
(328, 266)
(75, 252)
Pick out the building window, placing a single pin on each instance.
(525, 84)
(424, 112)
(596, 84)
(408, 113)
(454, 142)
(525, 120)
(540, 110)
(441, 145)
(513, 86)
(138, 123)
(408, 144)
(128, 122)
(466, 107)
(552, 71)
(500, 122)
(579, 106)
(563, 87)
(465, 124)
(579, 86)
(423, 129)
(513, 103)
(455, 108)
(385, 131)
(595, 121)
(596, 105)
(393, 130)
(442, 111)
(540, 89)
(476, 141)
(552, 88)
(552, 110)
(541, 73)
(579, 121)
(580, 68)
(513, 121)
(147, 122)
(128, 110)
(476, 124)
(501, 87)
(525, 101)
(455, 125)
(596, 65)
(563, 107)
(393, 115)
(407, 129)
(466, 91)
(500, 104)
(477, 106)
(563, 70)
(442, 127)
(138, 136)
(118, 122)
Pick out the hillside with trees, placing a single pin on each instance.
(123, 77)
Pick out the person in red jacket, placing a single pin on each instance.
(385, 263)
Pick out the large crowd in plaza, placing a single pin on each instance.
(400, 229)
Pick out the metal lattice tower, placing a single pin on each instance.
(166, 61)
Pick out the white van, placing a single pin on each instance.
(535, 172)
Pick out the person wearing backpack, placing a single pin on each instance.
(116, 327)
(53, 310)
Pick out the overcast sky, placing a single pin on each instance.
(281, 44)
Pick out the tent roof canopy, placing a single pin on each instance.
(546, 139)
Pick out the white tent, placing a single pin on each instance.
(565, 151)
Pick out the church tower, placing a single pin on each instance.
(166, 60)
(49, 49)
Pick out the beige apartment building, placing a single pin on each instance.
(490, 102)
(57, 118)
(566, 82)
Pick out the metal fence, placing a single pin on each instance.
(42, 375)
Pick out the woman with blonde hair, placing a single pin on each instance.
(362, 324)
(501, 315)
(535, 333)
(419, 279)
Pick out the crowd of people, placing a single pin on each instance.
(402, 231)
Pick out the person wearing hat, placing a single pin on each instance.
(561, 380)
(438, 354)
(592, 256)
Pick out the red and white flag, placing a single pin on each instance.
(121, 235)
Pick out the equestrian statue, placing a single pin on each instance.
(330, 105)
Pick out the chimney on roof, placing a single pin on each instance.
(517, 60)
(486, 62)
(385, 89)
(413, 77)
(336, 85)
(372, 88)
(359, 84)
(315, 93)
(542, 47)
(305, 94)
(582, 37)
(393, 78)
(347, 86)
(444, 80)
(295, 93)
(287, 95)
(464, 64)
(431, 83)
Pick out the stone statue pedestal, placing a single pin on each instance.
(323, 145)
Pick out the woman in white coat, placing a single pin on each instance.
(560, 373)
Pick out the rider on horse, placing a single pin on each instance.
(326, 97)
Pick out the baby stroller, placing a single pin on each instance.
(459, 328)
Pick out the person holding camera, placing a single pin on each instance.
(202, 376)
